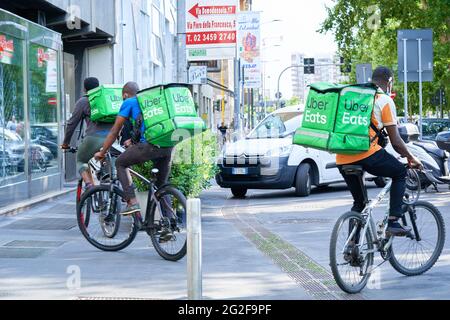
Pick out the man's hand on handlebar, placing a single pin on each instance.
(414, 163)
(99, 156)
(65, 146)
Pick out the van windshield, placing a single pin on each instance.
(276, 126)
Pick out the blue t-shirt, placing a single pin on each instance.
(130, 109)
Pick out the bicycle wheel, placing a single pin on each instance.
(350, 266)
(168, 224)
(413, 187)
(105, 230)
(413, 257)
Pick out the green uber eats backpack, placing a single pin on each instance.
(105, 102)
(169, 114)
(337, 118)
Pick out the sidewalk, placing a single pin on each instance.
(28, 204)
(42, 249)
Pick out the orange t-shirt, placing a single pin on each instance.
(384, 114)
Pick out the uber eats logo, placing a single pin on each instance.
(316, 109)
(356, 113)
(115, 98)
(183, 104)
(152, 107)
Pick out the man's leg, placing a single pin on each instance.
(383, 164)
(86, 151)
(163, 164)
(354, 186)
(133, 155)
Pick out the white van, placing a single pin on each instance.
(267, 159)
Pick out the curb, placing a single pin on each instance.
(17, 208)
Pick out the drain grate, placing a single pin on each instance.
(21, 253)
(34, 244)
(43, 224)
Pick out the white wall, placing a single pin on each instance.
(100, 63)
(144, 49)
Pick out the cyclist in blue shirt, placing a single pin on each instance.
(140, 152)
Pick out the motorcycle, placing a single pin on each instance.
(433, 156)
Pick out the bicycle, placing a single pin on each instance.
(356, 238)
(37, 160)
(102, 172)
(164, 220)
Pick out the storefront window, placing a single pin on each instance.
(43, 114)
(12, 125)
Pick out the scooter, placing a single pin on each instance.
(434, 158)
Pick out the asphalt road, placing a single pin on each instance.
(271, 245)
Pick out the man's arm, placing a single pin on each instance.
(112, 136)
(77, 117)
(400, 147)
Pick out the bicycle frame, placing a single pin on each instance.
(369, 223)
(151, 201)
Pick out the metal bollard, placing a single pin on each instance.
(194, 249)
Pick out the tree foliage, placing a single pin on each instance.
(366, 32)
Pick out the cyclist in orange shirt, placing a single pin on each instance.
(378, 161)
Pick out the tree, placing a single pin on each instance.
(366, 31)
(293, 101)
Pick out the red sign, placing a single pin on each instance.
(211, 10)
(53, 101)
(6, 47)
(42, 57)
(213, 37)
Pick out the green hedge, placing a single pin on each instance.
(193, 165)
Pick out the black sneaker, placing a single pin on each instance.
(165, 236)
(396, 229)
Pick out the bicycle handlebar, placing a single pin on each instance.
(70, 150)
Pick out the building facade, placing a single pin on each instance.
(56, 44)
(30, 109)
(329, 72)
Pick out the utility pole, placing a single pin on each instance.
(182, 65)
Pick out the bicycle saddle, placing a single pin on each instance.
(352, 169)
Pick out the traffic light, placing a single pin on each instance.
(346, 66)
(217, 105)
(309, 65)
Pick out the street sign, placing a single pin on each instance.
(198, 75)
(249, 44)
(415, 60)
(364, 73)
(411, 38)
(278, 95)
(309, 65)
(211, 29)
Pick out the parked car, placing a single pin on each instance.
(15, 147)
(267, 159)
(46, 135)
(431, 127)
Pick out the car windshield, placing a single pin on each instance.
(431, 128)
(276, 126)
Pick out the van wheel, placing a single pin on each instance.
(239, 192)
(303, 180)
(380, 182)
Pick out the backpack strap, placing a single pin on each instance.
(380, 134)
(136, 129)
